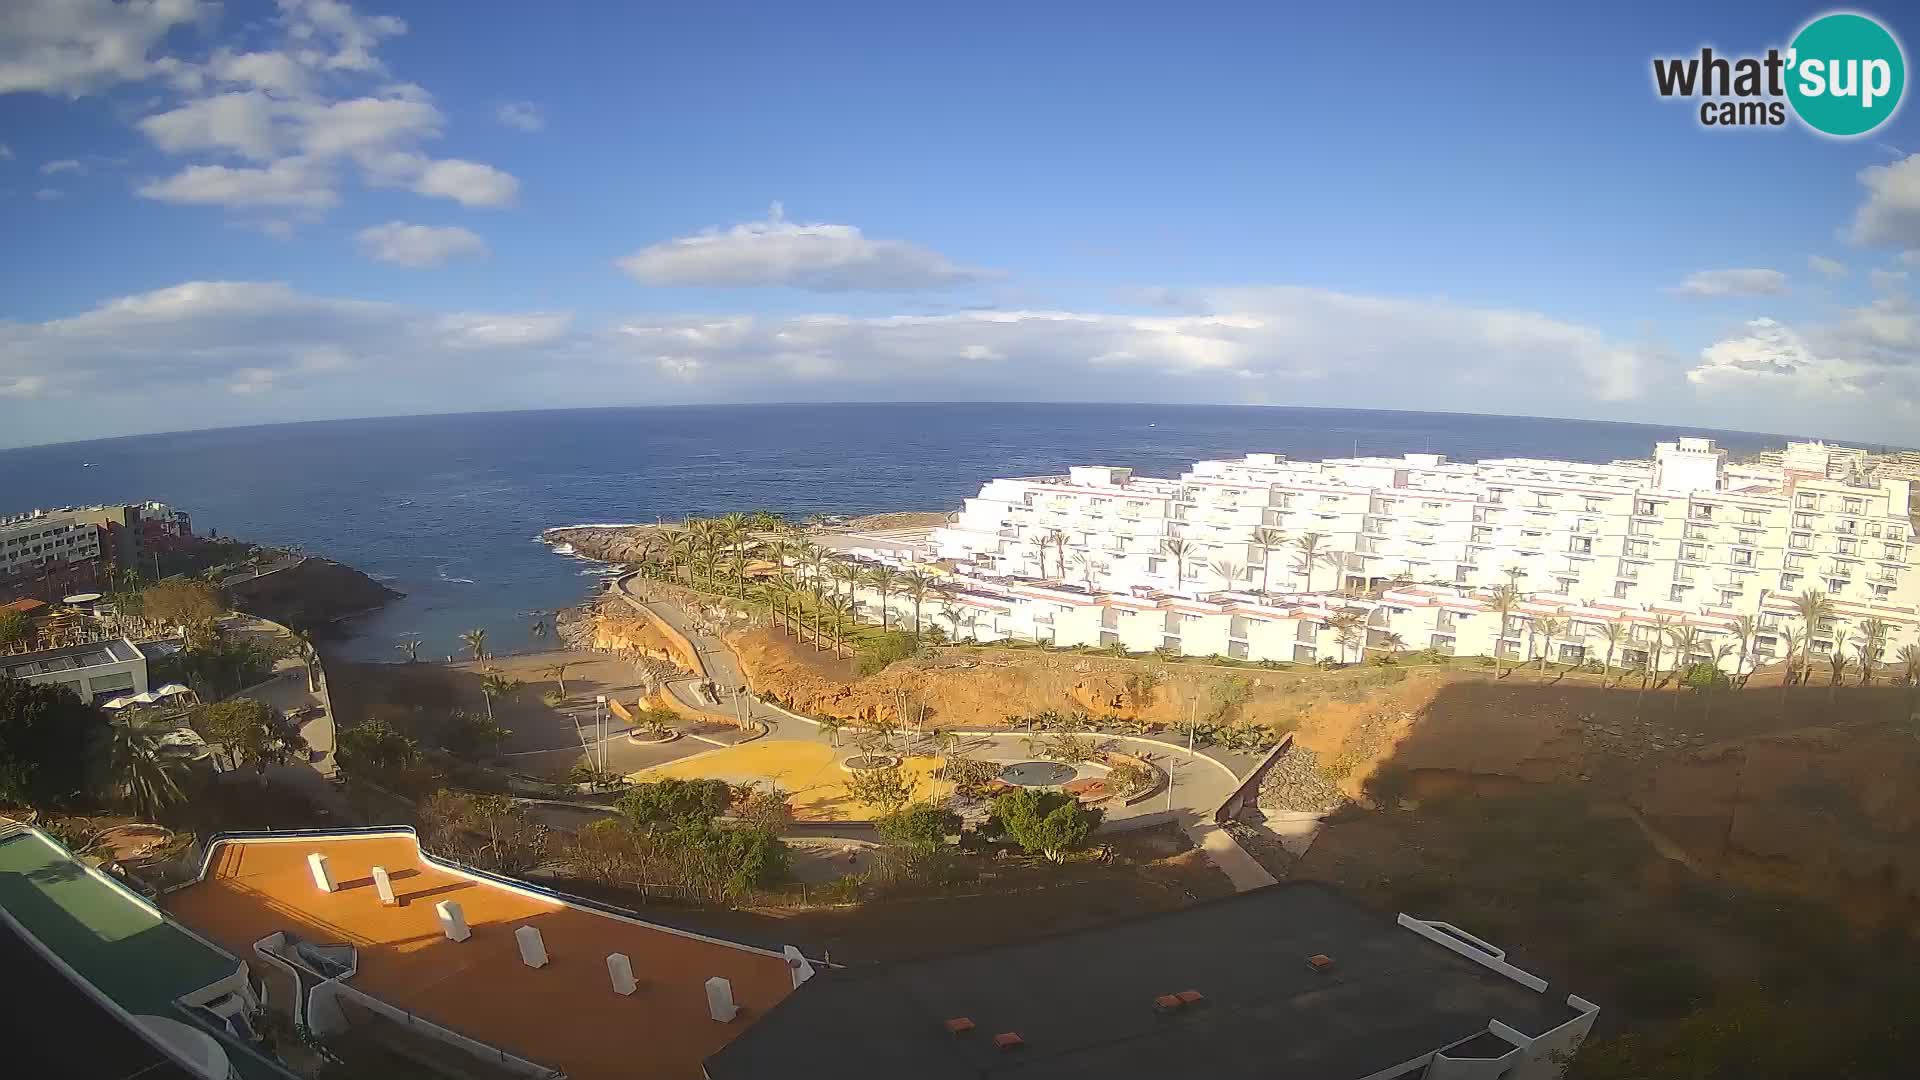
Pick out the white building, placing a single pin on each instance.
(1214, 562)
(33, 543)
(96, 671)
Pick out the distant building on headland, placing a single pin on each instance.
(47, 554)
(1212, 563)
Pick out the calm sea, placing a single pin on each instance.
(446, 508)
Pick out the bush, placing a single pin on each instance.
(887, 788)
(48, 739)
(1704, 675)
(969, 776)
(1045, 823)
(674, 801)
(923, 826)
(1126, 779)
(883, 649)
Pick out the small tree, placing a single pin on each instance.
(673, 801)
(887, 788)
(494, 684)
(13, 626)
(182, 603)
(1045, 823)
(921, 826)
(48, 738)
(377, 747)
(469, 736)
(256, 735)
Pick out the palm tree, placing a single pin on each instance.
(1089, 567)
(839, 606)
(558, 673)
(1503, 599)
(1910, 674)
(1797, 645)
(1040, 553)
(816, 559)
(1744, 627)
(495, 684)
(1268, 541)
(1719, 654)
(679, 548)
(832, 725)
(1812, 606)
(1839, 662)
(737, 528)
(1348, 630)
(646, 553)
(1059, 541)
(845, 573)
(1178, 549)
(141, 776)
(1614, 631)
(1873, 635)
(1684, 638)
(476, 642)
(411, 647)
(1309, 546)
(1395, 644)
(1228, 570)
(1548, 628)
(955, 615)
(883, 579)
(915, 585)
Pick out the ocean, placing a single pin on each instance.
(447, 508)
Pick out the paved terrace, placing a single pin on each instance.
(564, 1015)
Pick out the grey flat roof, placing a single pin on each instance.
(1084, 1002)
(70, 658)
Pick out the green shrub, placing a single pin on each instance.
(923, 826)
(1704, 675)
(882, 649)
(1045, 823)
(674, 801)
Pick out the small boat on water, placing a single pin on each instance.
(89, 464)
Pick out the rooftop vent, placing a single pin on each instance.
(1009, 1040)
(959, 1025)
(1167, 1002)
(1320, 962)
(1190, 997)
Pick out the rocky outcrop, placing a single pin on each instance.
(310, 595)
(614, 544)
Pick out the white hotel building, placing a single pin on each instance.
(1417, 540)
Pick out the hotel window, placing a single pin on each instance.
(1800, 543)
(1696, 532)
(1683, 573)
(1835, 585)
(1742, 558)
(1883, 590)
(1678, 594)
(1854, 506)
(1639, 528)
(1690, 552)
(1702, 513)
(1645, 507)
(1729, 597)
(1895, 552)
(1848, 546)
(1873, 529)
(1848, 525)
(1620, 589)
(1638, 548)
(1752, 517)
(1803, 521)
(1808, 501)
(1580, 545)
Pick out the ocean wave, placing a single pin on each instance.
(460, 580)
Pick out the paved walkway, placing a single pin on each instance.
(1200, 782)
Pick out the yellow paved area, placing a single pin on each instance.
(810, 771)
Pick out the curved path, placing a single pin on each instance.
(1200, 781)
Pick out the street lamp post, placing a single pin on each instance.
(600, 727)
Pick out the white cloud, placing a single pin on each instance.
(468, 183)
(276, 72)
(826, 258)
(290, 182)
(1826, 267)
(521, 116)
(1887, 280)
(1739, 282)
(1859, 372)
(63, 165)
(78, 47)
(1891, 215)
(6, 152)
(418, 245)
(47, 194)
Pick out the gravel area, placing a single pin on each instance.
(1296, 783)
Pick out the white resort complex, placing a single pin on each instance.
(1261, 558)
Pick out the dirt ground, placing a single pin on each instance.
(1152, 870)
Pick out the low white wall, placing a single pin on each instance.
(324, 1009)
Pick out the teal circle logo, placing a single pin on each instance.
(1845, 74)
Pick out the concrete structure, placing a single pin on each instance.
(1288, 981)
(523, 982)
(1213, 563)
(97, 671)
(115, 964)
(49, 552)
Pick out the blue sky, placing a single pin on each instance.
(259, 212)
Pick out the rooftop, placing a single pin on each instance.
(1084, 1003)
(69, 658)
(564, 1015)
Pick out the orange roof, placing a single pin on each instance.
(25, 606)
(564, 1015)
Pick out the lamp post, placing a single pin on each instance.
(599, 726)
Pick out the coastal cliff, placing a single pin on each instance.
(607, 543)
(310, 595)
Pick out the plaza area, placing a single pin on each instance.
(810, 771)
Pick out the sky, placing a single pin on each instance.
(249, 212)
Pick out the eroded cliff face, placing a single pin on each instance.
(614, 545)
(311, 595)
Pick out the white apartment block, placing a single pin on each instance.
(1415, 542)
(35, 542)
